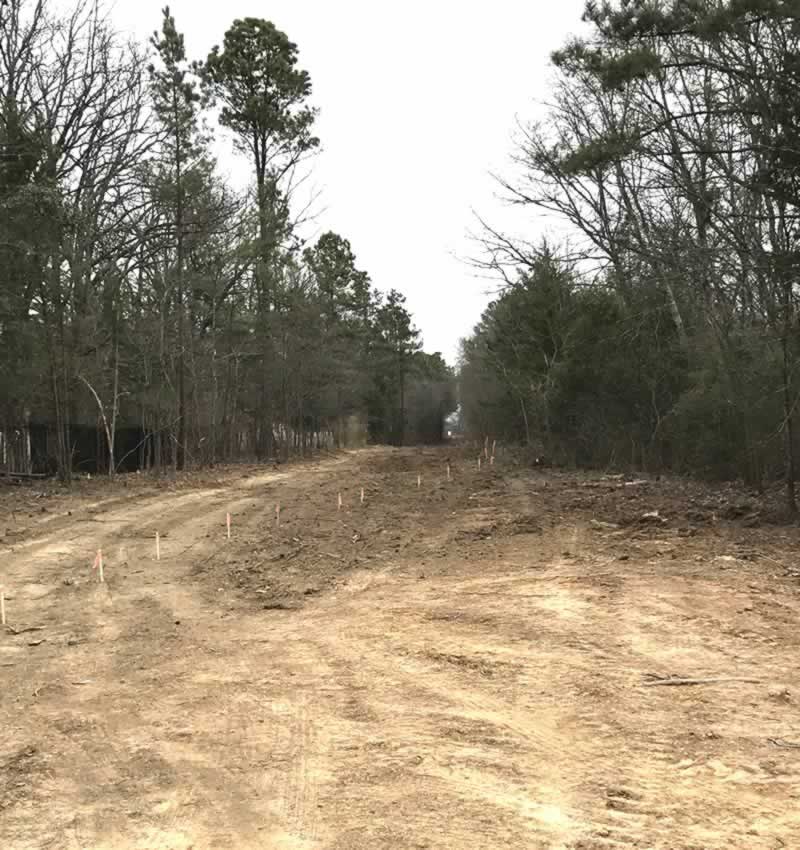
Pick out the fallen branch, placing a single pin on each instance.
(677, 681)
(787, 745)
(283, 556)
(25, 631)
(772, 560)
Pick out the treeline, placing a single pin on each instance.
(666, 335)
(138, 291)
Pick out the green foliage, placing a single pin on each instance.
(615, 72)
(345, 290)
(573, 371)
(262, 92)
(393, 353)
(599, 153)
(176, 94)
(128, 266)
(672, 151)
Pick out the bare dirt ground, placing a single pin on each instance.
(478, 663)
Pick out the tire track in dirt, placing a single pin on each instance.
(127, 536)
(299, 793)
(533, 734)
(497, 702)
(627, 806)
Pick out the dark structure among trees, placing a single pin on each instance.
(149, 316)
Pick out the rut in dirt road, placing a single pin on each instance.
(452, 666)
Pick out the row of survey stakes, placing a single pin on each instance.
(98, 561)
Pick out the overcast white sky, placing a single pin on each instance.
(418, 103)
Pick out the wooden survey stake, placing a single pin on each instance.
(98, 565)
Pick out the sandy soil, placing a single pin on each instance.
(472, 663)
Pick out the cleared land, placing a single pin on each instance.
(485, 662)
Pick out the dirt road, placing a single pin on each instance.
(474, 663)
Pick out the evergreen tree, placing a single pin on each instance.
(177, 101)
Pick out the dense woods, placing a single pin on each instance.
(151, 316)
(666, 334)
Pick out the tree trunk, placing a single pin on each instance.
(180, 454)
(788, 436)
(525, 421)
(402, 424)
